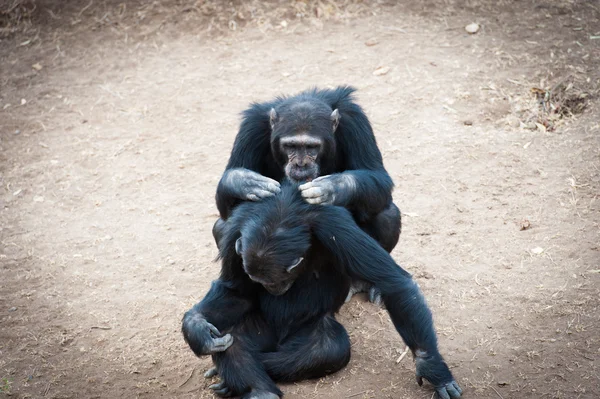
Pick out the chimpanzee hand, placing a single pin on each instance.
(435, 370)
(249, 185)
(207, 338)
(327, 190)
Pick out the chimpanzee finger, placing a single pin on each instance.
(267, 183)
(451, 388)
(305, 186)
(321, 178)
(312, 192)
(262, 194)
(221, 344)
(221, 389)
(218, 385)
(211, 372)
(213, 329)
(315, 201)
(252, 197)
(442, 394)
(455, 385)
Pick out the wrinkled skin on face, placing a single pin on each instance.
(302, 138)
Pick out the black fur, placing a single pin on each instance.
(295, 336)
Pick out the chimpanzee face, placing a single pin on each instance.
(276, 261)
(302, 153)
(302, 135)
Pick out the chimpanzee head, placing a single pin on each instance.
(302, 137)
(273, 254)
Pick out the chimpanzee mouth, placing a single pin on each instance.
(302, 175)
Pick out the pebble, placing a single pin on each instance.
(472, 28)
(13, 309)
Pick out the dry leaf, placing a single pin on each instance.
(381, 70)
(537, 250)
(38, 198)
(525, 224)
(37, 66)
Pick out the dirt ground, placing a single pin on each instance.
(116, 121)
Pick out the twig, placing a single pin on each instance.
(187, 379)
(100, 328)
(356, 394)
(497, 393)
(85, 8)
(47, 388)
(402, 355)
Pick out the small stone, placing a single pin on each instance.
(17, 131)
(381, 71)
(23, 101)
(13, 309)
(468, 123)
(371, 42)
(472, 28)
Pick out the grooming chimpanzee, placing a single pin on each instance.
(323, 139)
(286, 270)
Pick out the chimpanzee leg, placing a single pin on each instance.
(240, 366)
(385, 229)
(315, 350)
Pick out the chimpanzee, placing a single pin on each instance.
(323, 139)
(286, 269)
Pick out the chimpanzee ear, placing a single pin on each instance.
(296, 263)
(335, 119)
(238, 246)
(272, 117)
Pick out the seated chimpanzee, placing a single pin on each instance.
(323, 139)
(286, 270)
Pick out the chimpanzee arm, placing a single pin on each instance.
(243, 179)
(364, 187)
(362, 257)
(222, 308)
(229, 299)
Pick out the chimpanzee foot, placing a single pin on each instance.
(260, 395)
(357, 287)
(450, 390)
(375, 296)
(221, 389)
(362, 286)
(211, 372)
(436, 371)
